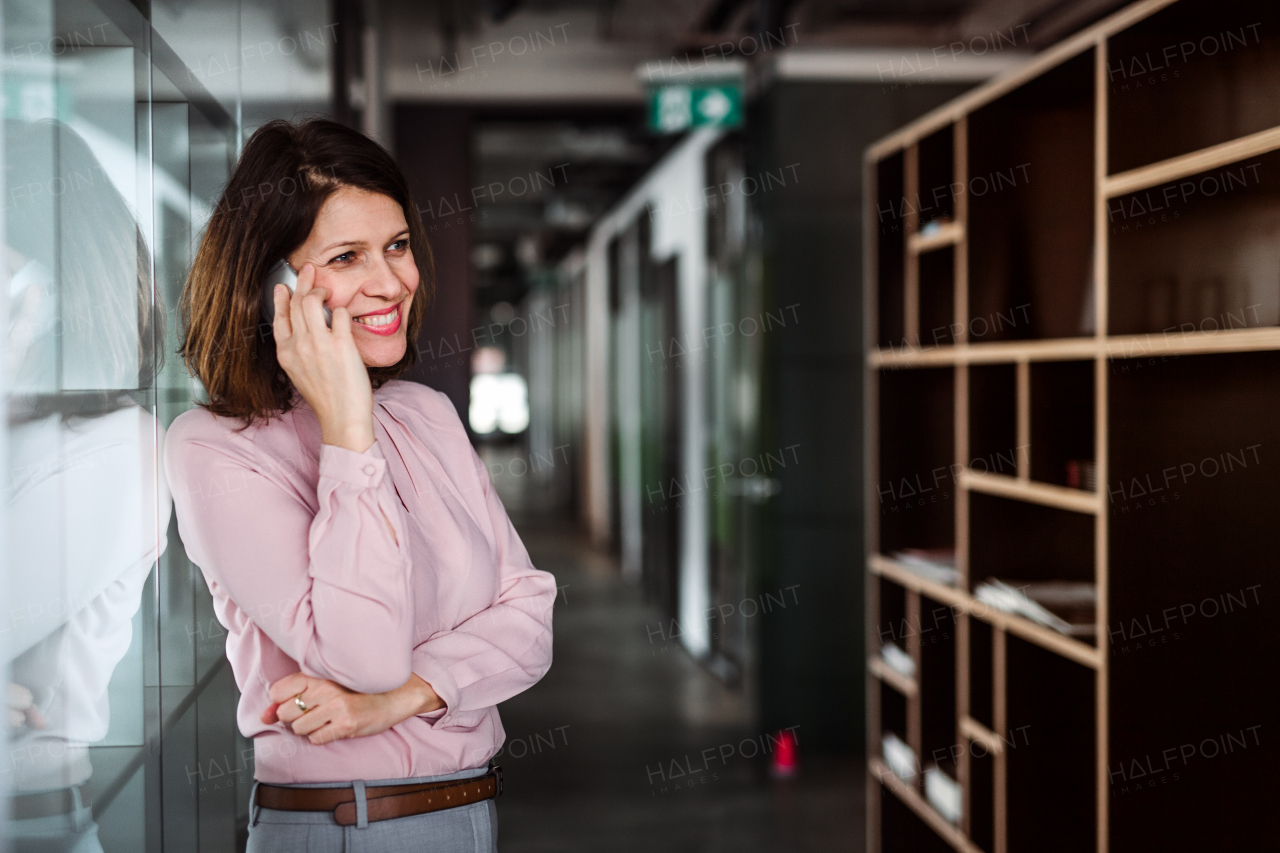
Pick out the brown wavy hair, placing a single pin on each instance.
(286, 173)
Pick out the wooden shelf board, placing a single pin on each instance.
(1056, 349)
(1069, 349)
(1004, 486)
(899, 574)
(1185, 165)
(1193, 343)
(979, 733)
(946, 235)
(890, 676)
(918, 804)
(963, 602)
(1045, 638)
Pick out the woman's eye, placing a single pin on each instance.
(343, 258)
(399, 245)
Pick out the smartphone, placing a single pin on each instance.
(284, 274)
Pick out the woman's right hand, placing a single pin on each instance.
(22, 709)
(334, 712)
(323, 363)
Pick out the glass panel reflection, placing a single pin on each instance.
(87, 509)
(116, 141)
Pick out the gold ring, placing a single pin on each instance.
(302, 706)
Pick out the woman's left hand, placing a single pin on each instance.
(334, 712)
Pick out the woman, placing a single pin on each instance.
(377, 599)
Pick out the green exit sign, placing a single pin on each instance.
(673, 109)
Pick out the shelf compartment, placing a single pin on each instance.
(1048, 750)
(1191, 76)
(893, 613)
(892, 629)
(1208, 532)
(1030, 232)
(937, 298)
(1028, 541)
(891, 202)
(917, 447)
(935, 197)
(894, 715)
(1016, 541)
(993, 440)
(937, 682)
(943, 835)
(982, 804)
(981, 673)
(1198, 255)
(1062, 423)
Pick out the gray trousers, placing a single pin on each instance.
(464, 829)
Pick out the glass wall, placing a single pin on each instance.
(120, 130)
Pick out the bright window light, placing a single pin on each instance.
(499, 401)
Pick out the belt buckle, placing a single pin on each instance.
(496, 770)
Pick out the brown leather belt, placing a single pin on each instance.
(48, 803)
(383, 801)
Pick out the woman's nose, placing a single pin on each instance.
(381, 280)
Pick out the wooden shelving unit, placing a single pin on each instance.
(1041, 350)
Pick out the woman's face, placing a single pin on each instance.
(359, 246)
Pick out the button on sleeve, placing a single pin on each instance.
(362, 470)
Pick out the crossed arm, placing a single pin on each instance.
(495, 654)
(354, 573)
(490, 657)
(334, 712)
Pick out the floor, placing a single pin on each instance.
(629, 745)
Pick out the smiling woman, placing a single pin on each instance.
(377, 600)
(318, 194)
(359, 247)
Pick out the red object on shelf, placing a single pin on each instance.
(1082, 474)
(785, 763)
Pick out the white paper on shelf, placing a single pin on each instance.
(900, 757)
(943, 793)
(898, 660)
(932, 570)
(1013, 600)
(1061, 593)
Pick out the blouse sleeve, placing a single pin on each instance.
(91, 489)
(330, 588)
(502, 650)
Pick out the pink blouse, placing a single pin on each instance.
(292, 536)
